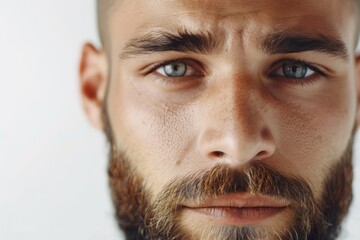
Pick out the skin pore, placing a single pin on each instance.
(230, 120)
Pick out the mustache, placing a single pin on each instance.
(256, 178)
(222, 180)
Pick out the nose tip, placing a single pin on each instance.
(236, 147)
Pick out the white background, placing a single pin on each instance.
(53, 182)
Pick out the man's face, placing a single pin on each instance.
(230, 119)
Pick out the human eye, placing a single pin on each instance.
(176, 69)
(177, 74)
(296, 71)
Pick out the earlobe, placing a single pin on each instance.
(93, 81)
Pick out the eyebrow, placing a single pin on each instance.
(160, 41)
(205, 43)
(282, 43)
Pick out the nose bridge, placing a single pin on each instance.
(238, 109)
(234, 128)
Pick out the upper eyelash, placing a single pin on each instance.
(162, 64)
(307, 64)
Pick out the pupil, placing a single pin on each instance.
(176, 67)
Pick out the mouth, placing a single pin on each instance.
(239, 209)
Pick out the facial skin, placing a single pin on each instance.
(227, 120)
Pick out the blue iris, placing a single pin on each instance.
(176, 69)
(295, 70)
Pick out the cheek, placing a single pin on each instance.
(313, 136)
(155, 136)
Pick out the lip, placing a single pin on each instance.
(239, 209)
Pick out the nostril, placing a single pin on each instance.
(262, 154)
(217, 154)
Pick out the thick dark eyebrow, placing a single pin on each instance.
(160, 41)
(282, 43)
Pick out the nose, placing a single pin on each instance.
(236, 127)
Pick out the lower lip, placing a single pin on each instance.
(243, 216)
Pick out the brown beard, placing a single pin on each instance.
(314, 219)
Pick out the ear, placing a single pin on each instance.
(93, 82)
(357, 78)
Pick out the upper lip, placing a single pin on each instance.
(242, 200)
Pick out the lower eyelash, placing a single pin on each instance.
(302, 81)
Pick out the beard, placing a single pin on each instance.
(139, 218)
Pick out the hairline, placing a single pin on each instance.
(104, 8)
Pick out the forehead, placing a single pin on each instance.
(249, 18)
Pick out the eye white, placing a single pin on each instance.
(309, 72)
